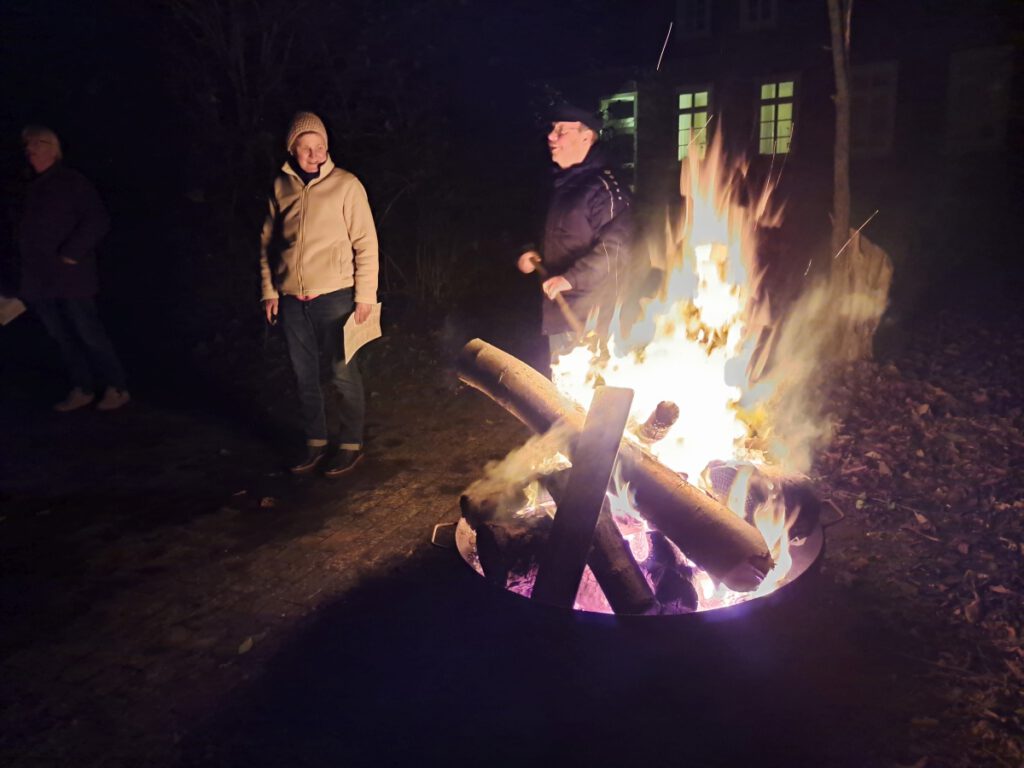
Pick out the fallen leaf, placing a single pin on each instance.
(972, 611)
(924, 722)
(246, 646)
(999, 589)
(923, 409)
(883, 469)
(268, 501)
(922, 520)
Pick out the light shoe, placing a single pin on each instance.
(113, 398)
(77, 398)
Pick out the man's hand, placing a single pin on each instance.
(527, 262)
(555, 285)
(362, 312)
(270, 307)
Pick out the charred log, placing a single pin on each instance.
(728, 548)
(671, 576)
(507, 545)
(766, 484)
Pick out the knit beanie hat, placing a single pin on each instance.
(305, 122)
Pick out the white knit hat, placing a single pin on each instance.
(305, 122)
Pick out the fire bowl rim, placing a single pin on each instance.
(805, 556)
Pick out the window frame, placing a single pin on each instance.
(696, 32)
(794, 102)
(749, 24)
(693, 90)
(891, 70)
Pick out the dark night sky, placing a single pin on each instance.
(96, 69)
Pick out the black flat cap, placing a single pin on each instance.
(564, 112)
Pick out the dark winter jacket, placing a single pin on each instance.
(63, 218)
(587, 241)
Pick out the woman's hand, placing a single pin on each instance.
(270, 307)
(528, 262)
(362, 312)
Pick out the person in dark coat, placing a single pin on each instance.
(62, 222)
(585, 253)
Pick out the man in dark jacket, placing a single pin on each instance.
(61, 223)
(586, 246)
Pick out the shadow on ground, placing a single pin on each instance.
(429, 665)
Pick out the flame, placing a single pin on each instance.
(693, 347)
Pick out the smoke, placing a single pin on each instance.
(500, 489)
(832, 322)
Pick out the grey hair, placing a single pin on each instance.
(42, 133)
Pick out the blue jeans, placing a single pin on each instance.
(84, 344)
(313, 330)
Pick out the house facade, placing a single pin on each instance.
(936, 119)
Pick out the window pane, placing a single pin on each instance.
(700, 119)
(768, 91)
(767, 112)
(700, 99)
(685, 100)
(767, 130)
(786, 90)
(785, 128)
(766, 146)
(783, 146)
(786, 111)
(685, 120)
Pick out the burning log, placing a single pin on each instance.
(616, 570)
(793, 493)
(728, 548)
(659, 423)
(506, 544)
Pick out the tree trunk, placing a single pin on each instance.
(839, 22)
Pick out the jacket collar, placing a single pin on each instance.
(325, 171)
(593, 161)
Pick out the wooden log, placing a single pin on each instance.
(727, 547)
(565, 555)
(616, 570)
(794, 492)
(505, 544)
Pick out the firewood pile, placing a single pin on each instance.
(675, 527)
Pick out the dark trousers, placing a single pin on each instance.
(313, 330)
(84, 344)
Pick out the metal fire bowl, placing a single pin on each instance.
(805, 555)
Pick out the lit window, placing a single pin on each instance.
(872, 108)
(776, 117)
(758, 14)
(619, 133)
(693, 18)
(694, 108)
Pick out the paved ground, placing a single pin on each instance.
(169, 597)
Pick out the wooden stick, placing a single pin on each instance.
(570, 316)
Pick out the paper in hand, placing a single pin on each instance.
(10, 308)
(357, 335)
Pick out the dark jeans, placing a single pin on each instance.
(88, 354)
(313, 330)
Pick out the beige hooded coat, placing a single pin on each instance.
(319, 237)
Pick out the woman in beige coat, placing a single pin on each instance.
(318, 262)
